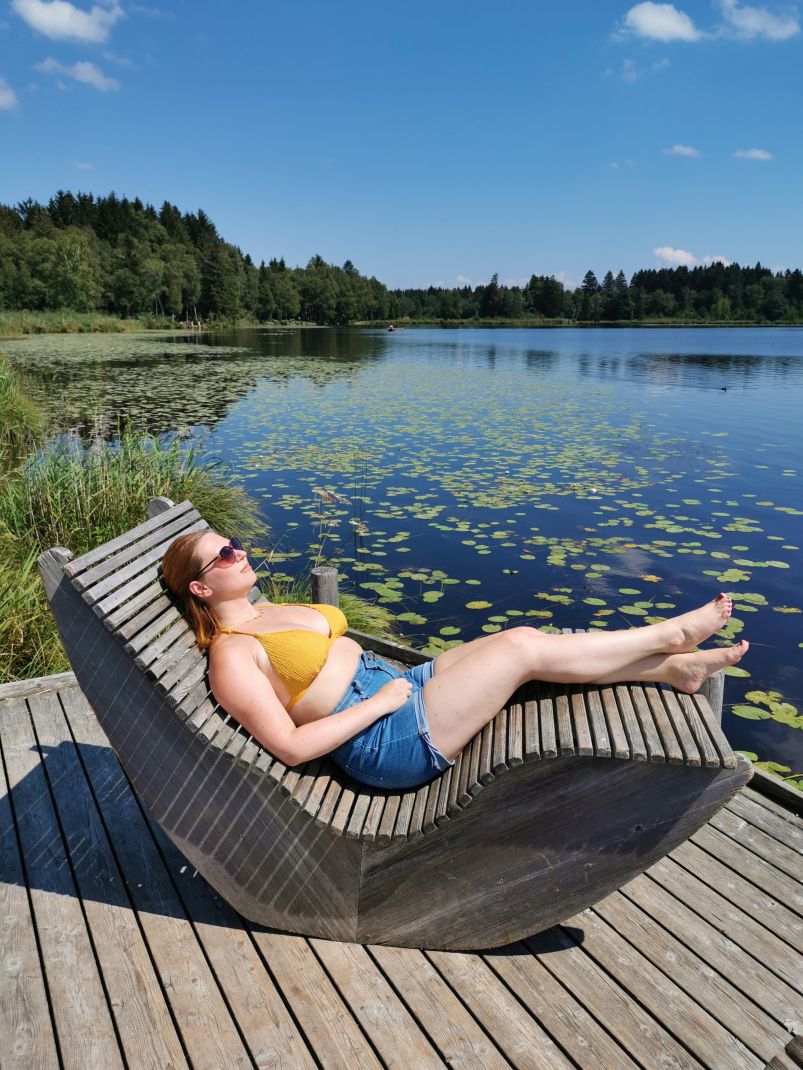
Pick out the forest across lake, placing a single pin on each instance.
(124, 258)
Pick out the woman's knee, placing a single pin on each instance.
(526, 640)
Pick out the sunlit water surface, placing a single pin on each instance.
(575, 478)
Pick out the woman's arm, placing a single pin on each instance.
(243, 690)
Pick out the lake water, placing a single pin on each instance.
(575, 478)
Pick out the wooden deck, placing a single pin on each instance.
(115, 953)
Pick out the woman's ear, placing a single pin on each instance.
(198, 588)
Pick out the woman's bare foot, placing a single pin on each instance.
(687, 672)
(687, 631)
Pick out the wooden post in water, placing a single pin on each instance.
(324, 585)
(714, 691)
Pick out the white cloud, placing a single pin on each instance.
(753, 154)
(681, 150)
(151, 12)
(8, 98)
(121, 61)
(749, 22)
(462, 280)
(615, 165)
(660, 22)
(681, 257)
(568, 282)
(84, 72)
(629, 71)
(674, 256)
(62, 21)
(83, 166)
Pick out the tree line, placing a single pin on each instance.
(125, 257)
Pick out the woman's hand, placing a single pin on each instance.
(393, 695)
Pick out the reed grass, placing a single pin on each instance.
(20, 420)
(64, 321)
(78, 494)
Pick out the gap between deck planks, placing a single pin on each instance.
(199, 985)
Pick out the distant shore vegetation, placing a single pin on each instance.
(87, 263)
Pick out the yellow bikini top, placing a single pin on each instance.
(298, 654)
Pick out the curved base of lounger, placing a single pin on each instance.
(538, 845)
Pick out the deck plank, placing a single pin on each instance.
(644, 1038)
(459, 1039)
(583, 1038)
(719, 952)
(784, 923)
(522, 1039)
(759, 872)
(329, 1028)
(144, 1026)
(769, 822)
(708, 989)
(268, 1029)
(398, 1040)
(743, 930)
(81, 1015)
(767, 803)
(205, 1025)
(758, 843)
(25, 1024)
(689, 1022)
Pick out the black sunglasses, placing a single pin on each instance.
(226, 553)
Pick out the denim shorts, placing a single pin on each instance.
(396, 751)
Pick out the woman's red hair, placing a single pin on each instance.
(180, 566)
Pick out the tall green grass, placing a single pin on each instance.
(78, 494)
(13, 324)
(20, 420)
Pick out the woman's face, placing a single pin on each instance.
(219, 577)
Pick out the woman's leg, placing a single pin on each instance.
(464, 695)
(673, 636)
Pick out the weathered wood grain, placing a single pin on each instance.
(25, 1026)
(721, 1000)
(83, 1024)
(397, 1038)
(670, 908)
(522, 1039)
(578, 1033)
(688, 1021)
(459, 1039)
(646, 1039)
(142, 1019)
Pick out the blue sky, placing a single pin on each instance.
(430, 142)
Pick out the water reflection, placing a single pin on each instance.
(177, 382)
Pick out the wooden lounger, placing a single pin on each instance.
(566, 795)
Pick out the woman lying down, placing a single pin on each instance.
(302, 688)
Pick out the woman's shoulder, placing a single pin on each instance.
(233, 645)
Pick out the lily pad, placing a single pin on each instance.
(751, 713)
